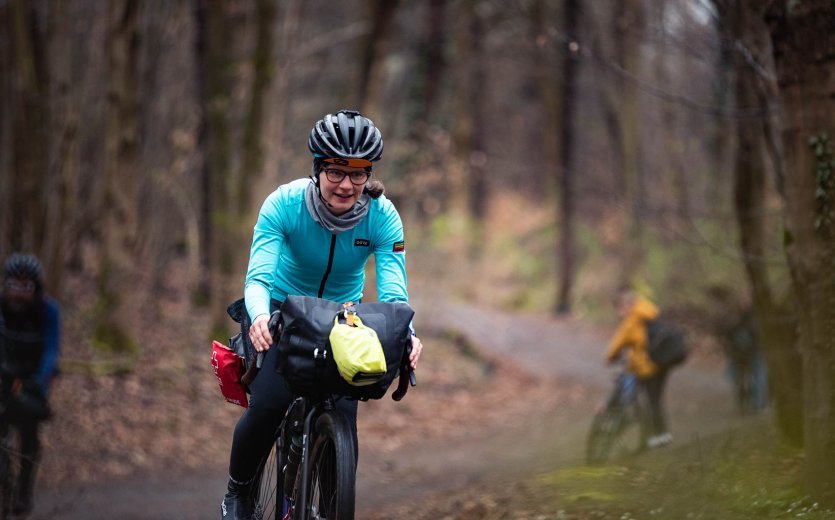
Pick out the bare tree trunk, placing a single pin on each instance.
(169, 194)
(429, 196)
(218, 183)
(28, 110)
(776, 321)
(632, 30)
(264, 70)
(804, 53)
(723, 132)
(382, 12)
(89, 95)
(203, 292)
(431, 65)
(231, 166)
(290, 15)
(628, 30)
(63, 152)
(120, 220)
(546, 78)
(6, 107)
(566, 246)
(678, 180)
(477, 158)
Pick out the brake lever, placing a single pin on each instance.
(275, 331)
(407, 376)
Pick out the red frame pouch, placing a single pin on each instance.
(229, 368)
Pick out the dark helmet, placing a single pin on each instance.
(346, 134)
(26, 267)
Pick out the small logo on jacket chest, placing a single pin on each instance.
(362, 242)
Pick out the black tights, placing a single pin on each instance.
(654, 387)
(256, 429)
(30, 448)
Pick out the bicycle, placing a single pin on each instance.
(618, 428)
(312, 462)
(11, 456)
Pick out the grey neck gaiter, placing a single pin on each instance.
(334, 223)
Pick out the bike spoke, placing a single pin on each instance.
(266, 495)
(324, 487)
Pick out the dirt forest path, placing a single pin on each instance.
(549, 434)
(564, 353)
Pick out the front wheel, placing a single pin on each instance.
(332, 470)
(10, 462)
(604, 428)
(615, 433)
(267, 492)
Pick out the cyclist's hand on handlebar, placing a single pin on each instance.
(259, 333)
(417, 346)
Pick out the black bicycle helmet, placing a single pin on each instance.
(346, 134)
(26, 267)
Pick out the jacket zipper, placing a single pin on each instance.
(330, 265)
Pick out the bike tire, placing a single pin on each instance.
(615, 433)
(631, 436)
(268, 491)
(601, 436)
(332, 469)
(10, 444)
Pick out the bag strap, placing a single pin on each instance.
(249, 375)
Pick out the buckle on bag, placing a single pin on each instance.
(320, 356)
(349, 314)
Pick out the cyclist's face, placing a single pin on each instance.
(19, 292)
(340, 196)
(624, 303)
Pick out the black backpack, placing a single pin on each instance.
(666, 343)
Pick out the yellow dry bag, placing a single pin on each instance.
(357, 351)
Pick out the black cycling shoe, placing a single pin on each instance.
(22, 506)
(237, 503)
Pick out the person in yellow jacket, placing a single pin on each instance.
(631, 339)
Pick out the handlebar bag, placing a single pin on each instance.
(305, 359)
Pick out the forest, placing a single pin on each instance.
(540, 153)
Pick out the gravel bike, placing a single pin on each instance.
(310, 471)
(11, 457)
(618, 428)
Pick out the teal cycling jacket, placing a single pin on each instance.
(292, 254)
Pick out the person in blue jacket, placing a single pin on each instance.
(313, 237)
(29, 348)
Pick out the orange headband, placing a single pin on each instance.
(353, 163)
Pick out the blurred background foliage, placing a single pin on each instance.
(540, 152)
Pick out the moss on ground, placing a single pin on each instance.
(743, 474)
(747, 473)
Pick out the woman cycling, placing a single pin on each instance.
(313, 237)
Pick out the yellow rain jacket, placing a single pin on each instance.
(632, 335)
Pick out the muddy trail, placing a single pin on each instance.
(538, 431)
